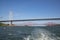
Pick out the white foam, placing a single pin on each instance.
(42, 34)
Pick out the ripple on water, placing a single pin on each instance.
(42, 34)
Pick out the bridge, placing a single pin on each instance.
(45, 19)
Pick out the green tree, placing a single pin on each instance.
(1, 24)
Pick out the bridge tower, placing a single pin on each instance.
(10, 17)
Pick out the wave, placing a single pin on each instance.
(41, 34)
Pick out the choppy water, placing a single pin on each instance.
(29, 33)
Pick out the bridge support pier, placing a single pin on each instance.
(10, 24)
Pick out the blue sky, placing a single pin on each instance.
(27, 9)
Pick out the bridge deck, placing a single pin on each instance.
(31, 20)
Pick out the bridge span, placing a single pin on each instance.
(43, 19)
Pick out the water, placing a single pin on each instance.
(29, 33)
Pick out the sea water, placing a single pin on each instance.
(29, 33)
(42, 34)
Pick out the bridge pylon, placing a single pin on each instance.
(10, 18)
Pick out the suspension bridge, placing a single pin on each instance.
(45, 19)
(11, 19)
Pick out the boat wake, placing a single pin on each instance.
(41, 34)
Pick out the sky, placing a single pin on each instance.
(27, 9)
